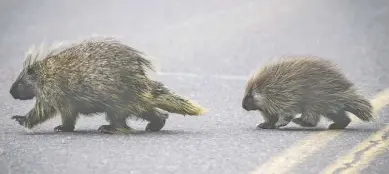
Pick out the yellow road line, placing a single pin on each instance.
(361, 155)
(380, 101)
(296, 154)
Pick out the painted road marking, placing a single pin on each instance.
(296, 154)
(360, 156)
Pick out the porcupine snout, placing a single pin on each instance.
(247, 103)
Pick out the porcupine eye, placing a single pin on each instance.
(253, 92)
(31, 76)
(30, 71)
(257, 95)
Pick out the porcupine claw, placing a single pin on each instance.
(266, 126)
(62, 128)
(20, 119)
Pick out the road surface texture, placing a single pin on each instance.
(205, 50)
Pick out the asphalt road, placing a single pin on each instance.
(203, 50)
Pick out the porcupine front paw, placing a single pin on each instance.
(107, 129)
(20, 119)
(156, 126)
(301, 122)
(64, 128)
(266, 125)
(283, 121)
(337, 126)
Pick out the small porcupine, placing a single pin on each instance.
(96, 75)
(306, 85)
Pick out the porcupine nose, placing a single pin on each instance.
(244, 104)
(12, 91)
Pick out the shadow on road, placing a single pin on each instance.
(95, 132)
(291, 129)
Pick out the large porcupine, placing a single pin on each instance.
(96, 75)
(308, 85)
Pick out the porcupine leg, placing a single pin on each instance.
(156, 118)
(283, 121)
(270, 121)
(117, 124)
(340, 119)
(33, 118)
(68, 122)
(308, 118)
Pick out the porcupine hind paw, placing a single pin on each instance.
(337, 126)
(266, 125)
(20, 119)
(302, 123)
(155, 126)
(64, 128)
(109, 129)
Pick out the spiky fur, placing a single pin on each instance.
(98, 74)
(308, 85)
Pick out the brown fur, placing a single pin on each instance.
(308, 85)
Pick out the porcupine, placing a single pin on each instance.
(306, 85)
(95, 75)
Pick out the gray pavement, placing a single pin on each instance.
(204, 50)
